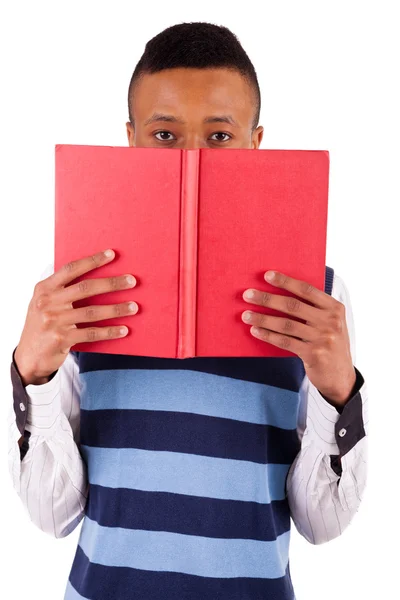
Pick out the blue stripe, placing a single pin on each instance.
(185, 474)
(190, 392)
(189, 434)
(97, 582)
(286, 373)
(190, 515)
(72, 594)
(194, 555)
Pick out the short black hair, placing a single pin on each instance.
(196, 46)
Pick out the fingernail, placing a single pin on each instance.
(246, 316)
(132, 306)
(108, 253)
(269, 275)
(249, 294)
(130, 279)
(123, 330)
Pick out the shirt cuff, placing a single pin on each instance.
(349, 428)
(22, 394)
(335, 431)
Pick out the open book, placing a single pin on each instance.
(196, 228)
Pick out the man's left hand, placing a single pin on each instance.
(322, 342)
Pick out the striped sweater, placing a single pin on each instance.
(188, 472)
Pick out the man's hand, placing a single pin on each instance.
(322, 342)
(50, 326)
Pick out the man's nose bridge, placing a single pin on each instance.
(192, 141)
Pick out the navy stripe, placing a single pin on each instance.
(209, 517)
(94, 581)
(329, 275)
(188, 433)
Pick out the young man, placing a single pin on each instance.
(186, 472)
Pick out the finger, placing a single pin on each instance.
(96, 334)
(92, 287)
(76, 268)
(280, 325)
(284, 304)
(301, 288)
(89, 314)
(281, 341)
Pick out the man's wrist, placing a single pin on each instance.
(27, 376)
(340, 401)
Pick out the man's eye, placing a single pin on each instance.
(163, 136)
(221, 136)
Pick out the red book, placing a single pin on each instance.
(196, 228)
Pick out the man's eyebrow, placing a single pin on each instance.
(165, 118)
(221, 119)
(171, 119)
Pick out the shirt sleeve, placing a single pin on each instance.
(327, 479)
(48, 471)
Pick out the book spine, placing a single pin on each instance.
(187, 309)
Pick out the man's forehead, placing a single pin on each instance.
(221, 90)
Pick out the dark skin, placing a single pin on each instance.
(189, 108)
(212, 108)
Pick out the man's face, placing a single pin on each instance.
(193, 108)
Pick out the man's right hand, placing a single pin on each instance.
(50, 326)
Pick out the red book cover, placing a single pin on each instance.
(196, 228)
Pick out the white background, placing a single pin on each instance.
(328, 73)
